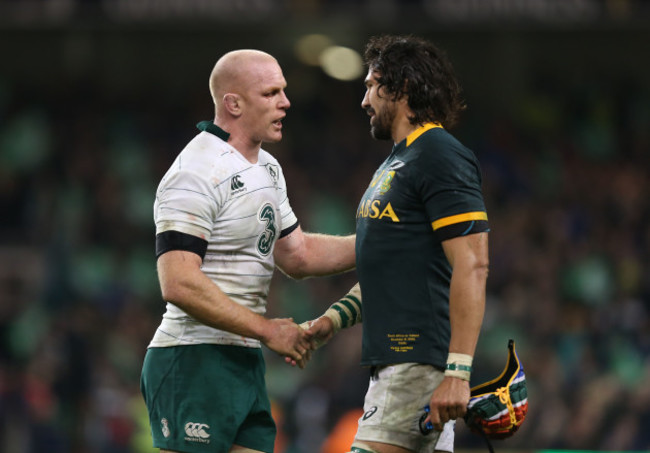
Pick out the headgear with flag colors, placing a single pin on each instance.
(497, 408)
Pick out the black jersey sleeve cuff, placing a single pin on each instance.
(289, 230)
(175, 240)
(462, 229)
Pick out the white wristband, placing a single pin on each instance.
(335, 317)
(459, 366)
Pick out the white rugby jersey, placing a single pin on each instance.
(213, 192)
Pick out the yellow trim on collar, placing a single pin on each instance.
(410, 138)
(465, 217)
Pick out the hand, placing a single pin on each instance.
(448, 402)
(288, 339)
(320, 330)
(302, 363)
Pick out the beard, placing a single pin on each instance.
(383, 123)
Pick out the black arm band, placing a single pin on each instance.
(462, 229)
(289, 230)
(175, 240)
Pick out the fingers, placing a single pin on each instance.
(436, 419)
(441, 413)
(301, 351)
(301, 359)
(448, 402)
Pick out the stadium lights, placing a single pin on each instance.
(338, 62)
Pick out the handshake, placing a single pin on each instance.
(296, 342)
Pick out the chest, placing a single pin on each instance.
(250, 209)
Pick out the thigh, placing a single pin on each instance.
(240, 449)
(257, 431)
(393, 406)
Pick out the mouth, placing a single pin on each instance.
(278, 123)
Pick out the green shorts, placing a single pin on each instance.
(205, 398)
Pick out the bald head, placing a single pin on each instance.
(237, 70)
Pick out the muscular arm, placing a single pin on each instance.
(301, 254)
(184, 284)
(468, 256)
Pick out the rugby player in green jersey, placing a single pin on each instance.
(421, 253)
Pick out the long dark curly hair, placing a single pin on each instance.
(414, 67)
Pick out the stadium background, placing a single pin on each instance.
(97, 97)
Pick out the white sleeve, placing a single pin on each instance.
(187, 203)
(287, 216)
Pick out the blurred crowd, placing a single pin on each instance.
(565, 181)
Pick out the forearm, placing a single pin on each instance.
(468, 257)
(301, 255)
(343, 313)
(185, 286)
(347, 311)
(466, 309)
(327, 254)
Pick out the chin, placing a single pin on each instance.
(273, 138)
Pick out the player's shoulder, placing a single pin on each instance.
(204, 149)
(205, 160)
(266, 157)
(209, 157)
(437, 147)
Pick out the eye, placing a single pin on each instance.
(271, 93)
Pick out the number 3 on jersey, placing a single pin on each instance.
(266, 239)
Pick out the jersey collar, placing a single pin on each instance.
(209, 126)
(410, 138)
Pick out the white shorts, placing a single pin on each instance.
(394, 404)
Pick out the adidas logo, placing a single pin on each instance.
(236, 185)
(196, 432)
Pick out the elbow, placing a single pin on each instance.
(174, 292)
(482, 268)
(169, 294)
(295, 269)
(294, 266)
(297, 273)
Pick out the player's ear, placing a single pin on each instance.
(232, 103)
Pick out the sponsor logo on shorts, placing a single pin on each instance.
(196, 432)
(370, 412)
(165, 427)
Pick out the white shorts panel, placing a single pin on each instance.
(394, 403)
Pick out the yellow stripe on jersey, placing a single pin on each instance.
(419, 131)
(465, 217)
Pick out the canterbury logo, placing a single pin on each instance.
(235, 183)
(197, 430)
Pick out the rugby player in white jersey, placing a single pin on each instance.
(223, 223)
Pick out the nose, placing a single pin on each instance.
(365, 103)
(284, 101)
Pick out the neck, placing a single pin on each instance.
(240, 141)
(250, 151)
(402, 129)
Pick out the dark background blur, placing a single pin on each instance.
(97, 98)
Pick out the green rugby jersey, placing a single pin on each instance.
(426, 191)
